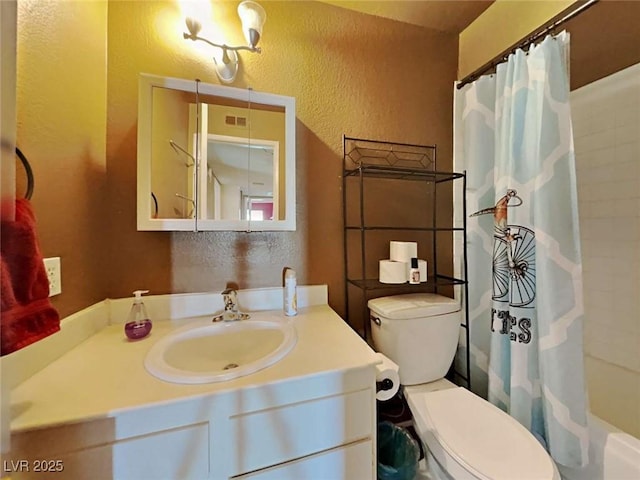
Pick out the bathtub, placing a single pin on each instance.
(613, 455)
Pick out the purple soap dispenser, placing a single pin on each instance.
(138, 324)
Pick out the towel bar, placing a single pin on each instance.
(27, 167)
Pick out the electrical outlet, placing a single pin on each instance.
(52, 265)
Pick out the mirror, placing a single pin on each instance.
(228, 161)
(212, 157)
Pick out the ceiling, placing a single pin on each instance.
(451, 16)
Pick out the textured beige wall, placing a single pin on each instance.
(62, 118)
(604, 37)
(350, 73)
(501, 25)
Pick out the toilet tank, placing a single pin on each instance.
(418, 331)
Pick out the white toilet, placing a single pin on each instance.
(465, 436)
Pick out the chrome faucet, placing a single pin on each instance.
(230, 312)
(230, 297)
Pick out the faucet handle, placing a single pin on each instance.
(230, 299)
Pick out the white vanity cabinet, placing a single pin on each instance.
(310, 416)
(326, 432)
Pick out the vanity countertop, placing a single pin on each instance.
(105, 374)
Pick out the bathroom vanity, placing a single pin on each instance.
(95, 412)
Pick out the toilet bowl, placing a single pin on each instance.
(465, 436)
(469, 438)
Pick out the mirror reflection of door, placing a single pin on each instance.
(243, 176)
(241, 179)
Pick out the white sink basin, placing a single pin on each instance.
(216, 352)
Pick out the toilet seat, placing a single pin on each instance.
(471, 438)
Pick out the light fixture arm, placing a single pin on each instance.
(189, 36)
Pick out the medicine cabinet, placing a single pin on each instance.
(212, 157)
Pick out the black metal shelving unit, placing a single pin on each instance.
(370, 159)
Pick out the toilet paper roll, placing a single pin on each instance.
(392, 272)
(386, 371)
(403, 251)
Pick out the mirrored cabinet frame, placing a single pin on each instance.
(193, 200)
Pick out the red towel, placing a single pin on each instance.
(27, 314)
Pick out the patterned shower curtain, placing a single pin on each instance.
(514, 138)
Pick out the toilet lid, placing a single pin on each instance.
(413, 305)
(483, 439)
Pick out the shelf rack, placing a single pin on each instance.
(370, 159)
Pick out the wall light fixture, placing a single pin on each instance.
(252, 16)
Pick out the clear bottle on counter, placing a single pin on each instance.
(138, 323)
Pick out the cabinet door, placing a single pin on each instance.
(354, 461)
(181, 454)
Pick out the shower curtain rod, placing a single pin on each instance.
(493, 63)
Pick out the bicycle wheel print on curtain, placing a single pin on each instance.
(514, 138)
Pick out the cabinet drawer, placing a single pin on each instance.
(175, 454)
(350, 462)
(277, 435)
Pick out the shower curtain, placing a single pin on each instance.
(514, 138)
